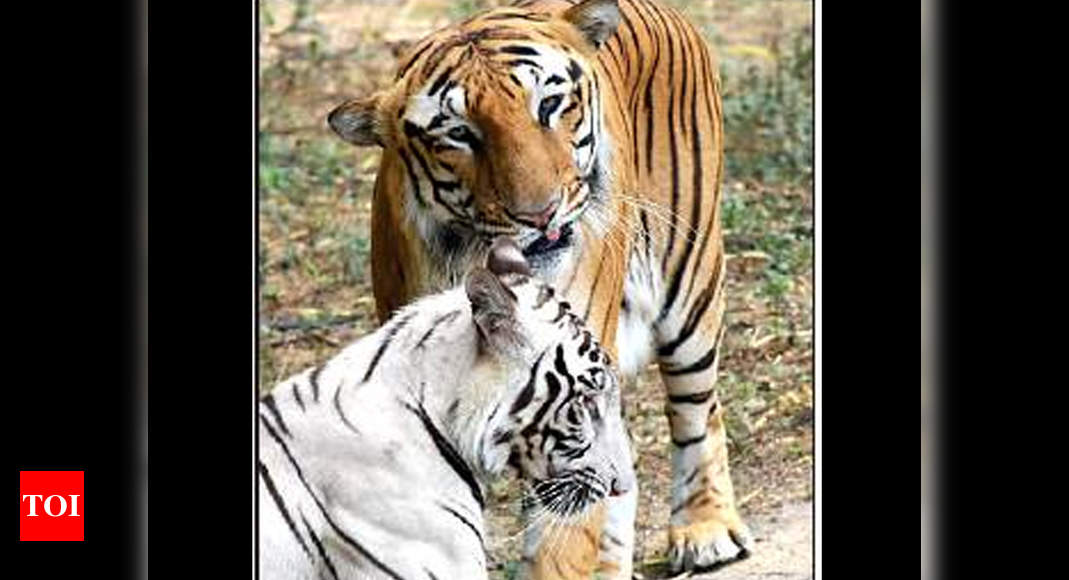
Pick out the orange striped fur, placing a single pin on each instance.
(471, 153)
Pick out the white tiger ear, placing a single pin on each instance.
(493, 307)
(356, 121)
(596, 19)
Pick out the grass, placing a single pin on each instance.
(314, 203)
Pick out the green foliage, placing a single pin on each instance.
(355, 253)
(779, 226)
(768, 113)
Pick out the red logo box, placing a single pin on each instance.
(51, 506)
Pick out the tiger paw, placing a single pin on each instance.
(708, 544)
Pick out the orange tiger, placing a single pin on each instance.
(591, 134)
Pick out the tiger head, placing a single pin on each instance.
(560, 424)
(496, 127)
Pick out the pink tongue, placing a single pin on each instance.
(552, 235)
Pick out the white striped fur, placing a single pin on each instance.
(352, 482)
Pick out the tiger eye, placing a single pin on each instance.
(547, 107)
(459, 133)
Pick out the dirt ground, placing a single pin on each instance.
(315, 290)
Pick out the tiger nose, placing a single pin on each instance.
(620, 486)
(541, 218)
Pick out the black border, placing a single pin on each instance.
(201, 278)
(72, 268)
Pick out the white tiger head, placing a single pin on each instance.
(560, 424)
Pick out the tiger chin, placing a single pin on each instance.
(375, 464)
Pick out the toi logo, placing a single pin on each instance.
(51, 506)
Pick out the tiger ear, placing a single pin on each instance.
(356, 121)
(493, 307)
(596, 19)
(505, 257)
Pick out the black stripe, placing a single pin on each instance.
(589, 139)
(527, 394)
(693, 398)
(585, 346)
(341, 413)
(575, 72)
(465, 521)
(688, 63)
(673, 150)
(696, 207)
(611, 48)
(634, 40)
(709, 96)
(269, 402)
(437, 121)
(514, 16)
(655, 41)
(701, 304)
(281, 505)
(445, 92)
(439, 82)
(415, 57)
(412, 177)
(562, 367)
(582, 110)
(693, 474)
(314, 380)
(545, 293)
(632, 99)
(595, 122)
(341, 533)
(434, 324)
(562, 309)
(524, 61)
(553, 389)
(700, 365)
(688, 442)
(436, 185)
(681, 268)
(646, 233)
(319, 546)
(390, 333)
(605, 535)
(450, 454)
(505, 88)
(516, 49)
(597, 279)
(297, 396)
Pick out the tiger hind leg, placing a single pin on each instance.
(705, 528)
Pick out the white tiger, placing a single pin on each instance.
(374, 465)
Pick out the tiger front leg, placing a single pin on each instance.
(560, 550)
(705, 527)
(617, 547)
(600, 546)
